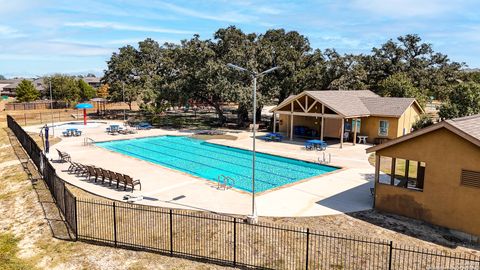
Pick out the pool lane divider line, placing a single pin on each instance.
(120, 150)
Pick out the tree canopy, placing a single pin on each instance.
(196, 70)
(26, 91)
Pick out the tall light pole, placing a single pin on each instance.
(51, 101)
(123, 95)
(253, 217)
(51, 106)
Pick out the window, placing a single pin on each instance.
(402, 173)
(383, 128)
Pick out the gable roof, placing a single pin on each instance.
(387, 106)
(350, 103)
(467, 128)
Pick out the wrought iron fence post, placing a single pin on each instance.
(171, 231)
(390, 256)
(76, 219)
(234, 242)
(308, 244)
(114, 225)
(64, 201)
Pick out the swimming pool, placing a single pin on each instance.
(208, 160)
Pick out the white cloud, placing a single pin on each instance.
(406, 8)
(227, 16)
(125, 27)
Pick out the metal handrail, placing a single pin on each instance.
(88, 141)
(222, 181)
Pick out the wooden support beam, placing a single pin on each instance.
(354, 122)
(311, 106)
(291, 121)
(301, 106)
(392, 173)
(274, 122)
(342, 131)
(323, 122)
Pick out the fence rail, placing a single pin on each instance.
(223, 239)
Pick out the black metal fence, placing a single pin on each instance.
(227, 240)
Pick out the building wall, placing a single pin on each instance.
(406, 121)
(370, 126)
(307, 121)
(443, 201)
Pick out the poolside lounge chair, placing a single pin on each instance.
(106, 175)
(130, 182)
(99, 173)
(91, 172)
(76, 168)
(121, 179)
(273, 137)
(64, 157)
(112, 177)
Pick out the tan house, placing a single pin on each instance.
(345, 115)
(433, 175)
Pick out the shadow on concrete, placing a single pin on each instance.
(55, 220)
(351, 200)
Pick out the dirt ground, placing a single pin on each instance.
(33, 234)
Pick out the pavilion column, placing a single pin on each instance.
(342, 131)
(354, 123)
(274, 122)
(291, 126)
(321, 128)
(323, 123)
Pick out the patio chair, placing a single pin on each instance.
(78, 133)
(99, 173)
(64, 157)
(113, 177)
(91, 172)
(130, 182)
(121, 179)
(106, 175)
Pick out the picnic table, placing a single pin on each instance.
(273, 137)
(72, 132)
(315, 144)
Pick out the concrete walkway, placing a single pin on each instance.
(347, 190)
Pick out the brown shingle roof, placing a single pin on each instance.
(469, 124)
(387, 106)
(346, 103)
(351, 103)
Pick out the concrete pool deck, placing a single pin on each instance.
(345, 190)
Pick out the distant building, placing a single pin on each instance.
(8, 87)
(92, 81)
(433, 174)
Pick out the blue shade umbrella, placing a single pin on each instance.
(84, 106)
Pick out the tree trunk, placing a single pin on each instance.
(242, 116)
(218, 109)
(130, 105)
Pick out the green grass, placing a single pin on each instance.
(8, 254)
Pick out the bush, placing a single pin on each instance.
(423, 122)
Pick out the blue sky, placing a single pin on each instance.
(40, 37)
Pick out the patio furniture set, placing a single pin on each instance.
(90, 171)
(72, 132)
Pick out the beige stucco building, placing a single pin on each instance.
(333, 114)
(436, 175)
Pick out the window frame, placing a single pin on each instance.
(380, 128)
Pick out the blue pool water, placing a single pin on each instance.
(208, 160)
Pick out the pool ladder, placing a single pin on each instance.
(225, 182)
(88, 141)
(324, 160)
